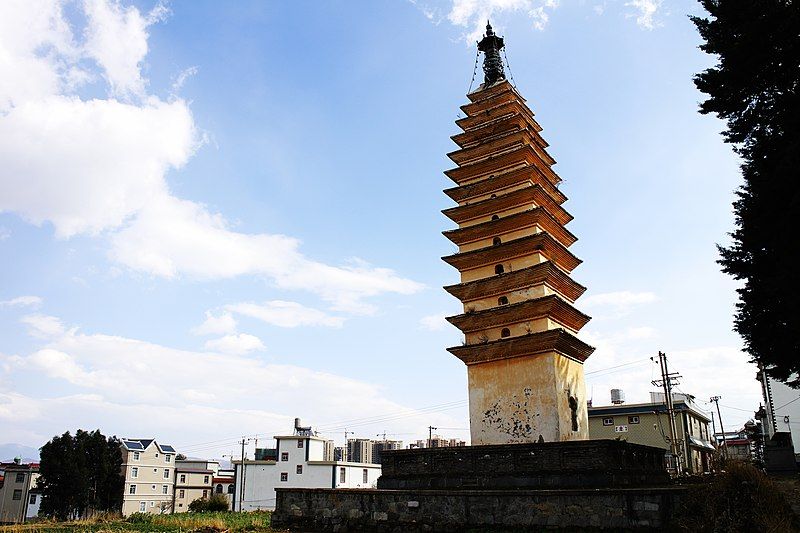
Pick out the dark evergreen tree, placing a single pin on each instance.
(754, 87)
(81, 475)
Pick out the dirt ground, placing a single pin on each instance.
(790, 486)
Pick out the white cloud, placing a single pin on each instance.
(616, 304)
(473, 14)
(116, 38)
(191, 396)
(435, 322)
(285, 314)
(5, 233)
(22, 301)
(99, 166)
(216, 325)
(43, 326)
(236, 344)
(86, 166)
(645, 12)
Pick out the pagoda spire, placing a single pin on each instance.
(491, 45)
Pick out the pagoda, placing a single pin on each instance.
(524, 360)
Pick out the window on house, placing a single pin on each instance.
(299, 443)
(152, 504)
(135, 456)
(498, 269)
(156, 454)
(205, 493)
(17, 494)
(205, 479)
(633, 419)
(183, 478)
(142, 507)
(20, 477)
(164, 489)
(503, 300)
(230, 488)
(284, 456)
(496, 241)
(299, 469)
(134, 472)
(167, 458)
(608, 421)
(166, 473)
(181, 493)
(218, 488)
(153, 488)
(495, 217)
(284, 476)
(32, 499)
(365, 474)
(132, 489)
(342, 475)
(155, 470)
(505, 332)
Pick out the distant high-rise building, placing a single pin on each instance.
(340, 453)
(379, 445)
(359, 450)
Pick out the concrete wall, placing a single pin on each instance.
(410, 511)
(517, 400)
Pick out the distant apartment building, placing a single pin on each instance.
(301, 460)
(359, 450)
(438, 442)
(194, 480)
(19, 498)
(648, 423)
(149, 470)
(379, 446)
(340, 453)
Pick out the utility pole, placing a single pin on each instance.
(241, 485)
(430, 436)
(716, 400)
(668, 379)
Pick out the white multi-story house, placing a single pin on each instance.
(149, 470)
(19, 498)
(298, 461)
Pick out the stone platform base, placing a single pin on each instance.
(581, 464)
(469, 510)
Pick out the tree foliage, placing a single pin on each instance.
(754, 87)
(81, 475)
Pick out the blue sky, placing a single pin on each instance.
(216, 218)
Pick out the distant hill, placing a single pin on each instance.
(10, 450)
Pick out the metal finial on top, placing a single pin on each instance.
(491, 45)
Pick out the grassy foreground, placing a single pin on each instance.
(180, 522)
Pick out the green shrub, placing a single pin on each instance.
(741, 498)
(216, 503)
(139, 518)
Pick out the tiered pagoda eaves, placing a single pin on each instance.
(524, 360)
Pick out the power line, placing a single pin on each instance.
(737, 408)
(789, 403)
